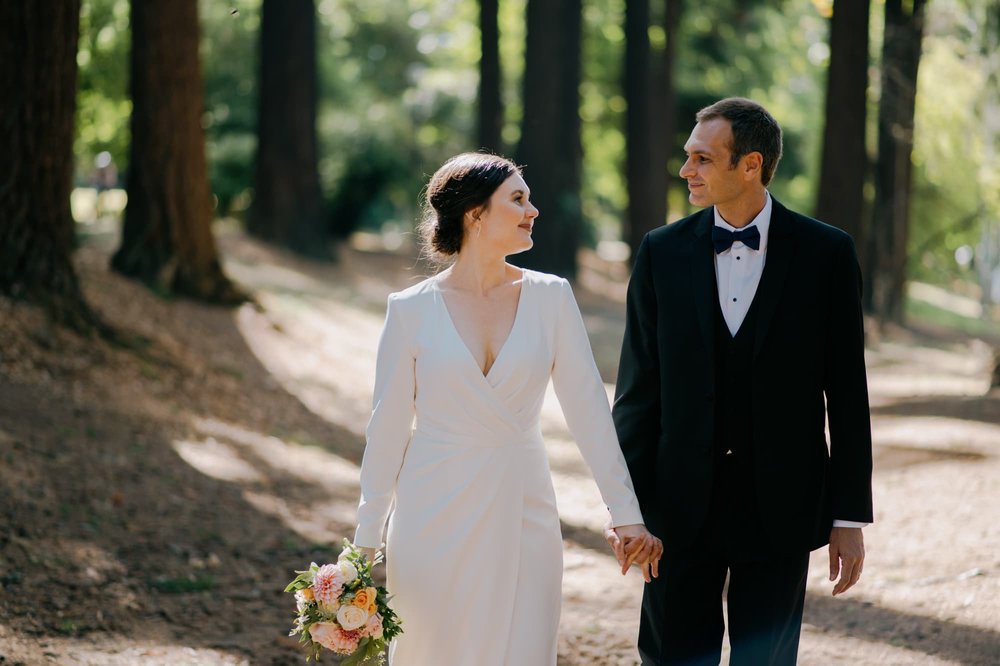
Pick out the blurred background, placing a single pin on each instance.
(203, 205)
(322, 121)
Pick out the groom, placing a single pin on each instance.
(743, 334)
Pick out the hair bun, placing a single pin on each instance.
(464, 182)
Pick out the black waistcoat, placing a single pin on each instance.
(733, 383)
(734, 523)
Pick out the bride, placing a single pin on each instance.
(454, 447)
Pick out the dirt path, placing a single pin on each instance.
(155, 501)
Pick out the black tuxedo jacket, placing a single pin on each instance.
(808, 365)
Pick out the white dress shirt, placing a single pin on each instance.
(737, 273)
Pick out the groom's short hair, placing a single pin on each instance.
(754, 130)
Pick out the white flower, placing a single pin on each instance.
(349, 570)
(352, 617)
(300, 601)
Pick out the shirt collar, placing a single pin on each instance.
(763, 222)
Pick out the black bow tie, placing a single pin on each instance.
(723, 239)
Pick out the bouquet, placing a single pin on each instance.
(340, 608)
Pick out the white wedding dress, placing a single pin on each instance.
(473, 547)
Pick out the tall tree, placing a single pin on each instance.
(550, 147)
(38, 75)
(639, 125)
(651, 117)
(490, 104)
(840, 200)
(288, 206)
(167, 237)
(665, 108)
(904, 25)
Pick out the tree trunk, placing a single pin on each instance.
(639, 125)
(167, 237)
(38, 71)
(550, 147)
(288, 206)
(490, 110)
(665, 110)
(840, 201)
(893, 172)
(651, 117)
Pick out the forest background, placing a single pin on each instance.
(204, 204)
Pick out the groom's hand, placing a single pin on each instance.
(633, 544)
(847, 557)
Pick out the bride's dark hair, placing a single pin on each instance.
(462, 183)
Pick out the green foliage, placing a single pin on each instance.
(398, 82)
(103, 105)
(955, 187)
(602, 110)
(772, 52)
(229, 69)
(373, 187)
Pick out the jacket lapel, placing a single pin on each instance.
(703, 277)
(780, 249)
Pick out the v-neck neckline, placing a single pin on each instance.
(510, 333)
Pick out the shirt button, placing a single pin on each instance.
(737, 258)
(734, 300)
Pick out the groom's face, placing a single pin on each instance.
(708, 170)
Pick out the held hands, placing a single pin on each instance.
(847, 557)
(633, 544)
(369, 553)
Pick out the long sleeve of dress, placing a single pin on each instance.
(585, 405)
(389, 429)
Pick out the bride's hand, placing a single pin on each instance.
(369, 553)
(633, 544)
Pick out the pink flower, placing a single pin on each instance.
(374, 627)
(332, 637)
(328, 584)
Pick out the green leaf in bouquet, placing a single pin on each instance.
(304, 578)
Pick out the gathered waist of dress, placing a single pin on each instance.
(484, 439)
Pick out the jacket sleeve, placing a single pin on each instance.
(636, 409)
(584, 403)
(846, 388)
(389, 429)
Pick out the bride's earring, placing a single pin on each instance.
(479, 227)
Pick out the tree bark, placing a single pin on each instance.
(665, 110)
(840, 200)
(550, 148)
(651, 117)
(639, 125)
(893, 172)
(288, 205)
(167, 238)
(38, 73)
(490, 108)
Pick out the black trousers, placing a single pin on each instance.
(682, 613)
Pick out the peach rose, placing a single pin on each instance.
(365, 597)
(307, 593)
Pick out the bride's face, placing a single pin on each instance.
(506, 222)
